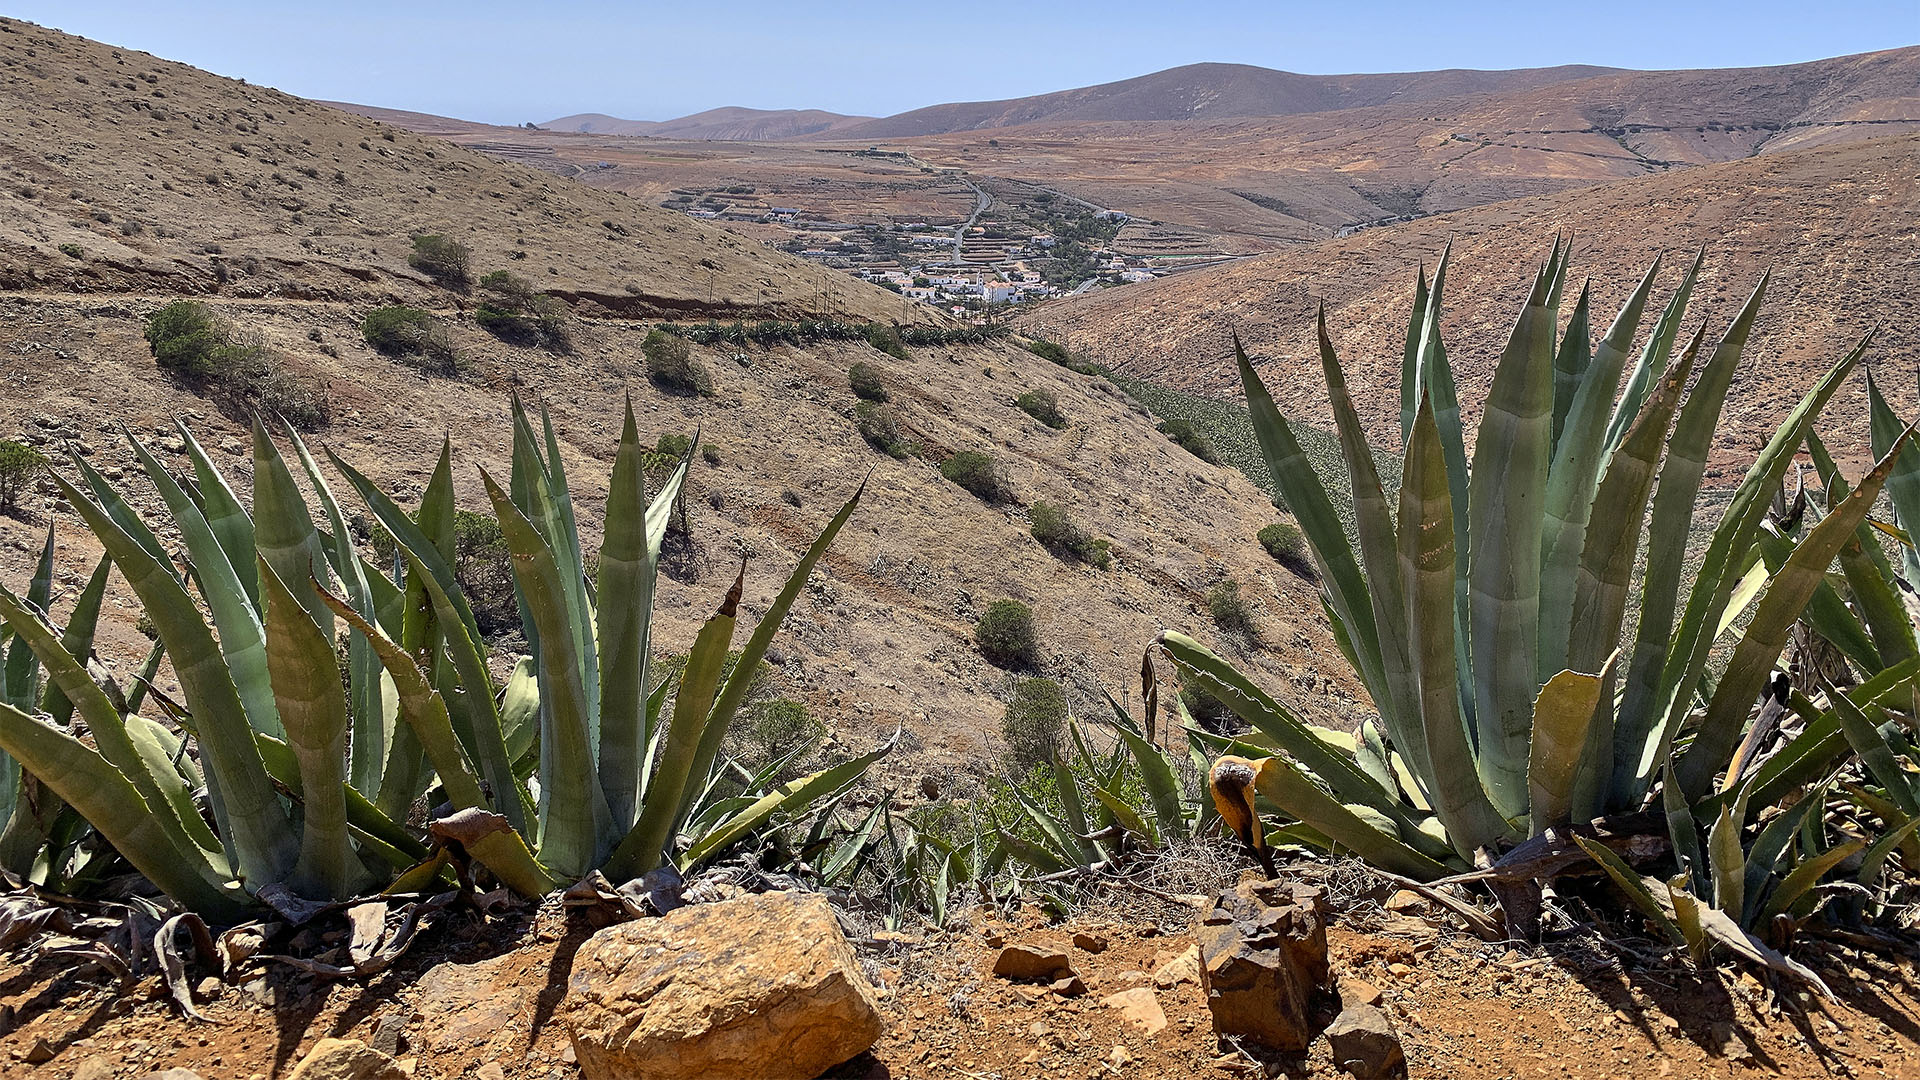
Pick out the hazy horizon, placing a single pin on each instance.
(500, 63)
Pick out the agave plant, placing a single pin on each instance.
(571, 768)
(1486, 618)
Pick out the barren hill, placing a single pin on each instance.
(1210, 92)
(731, 123)
(1837, 226)
(204, 191)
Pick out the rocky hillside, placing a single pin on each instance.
(1836, 226)
(884, 637)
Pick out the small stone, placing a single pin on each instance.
(1138, 1007)
(1357, 992)
(1092, 943)
(346, 1059)
(492, 1070)
(1068, 986)
(1364, 1044)
(1184, 968)
(1119, 1058)
(1029, 963)
(1399, 971)
(1038, 1030)
(40, 1052)
(387, 1033)
(94, 1068)
(175, 1073)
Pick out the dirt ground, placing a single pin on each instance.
(479, 996)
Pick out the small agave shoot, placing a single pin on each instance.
(1486, 612)
(309, 770)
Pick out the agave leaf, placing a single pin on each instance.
(429, 567)
(1426, 553)
(231, 524)
(1903, 483)
(1303, 494)
(1808, 874)
(1684, 830)
(1726, 859)
(1124, 814)
(1163, 788)
(1572, 360)
(1869, 575)
(1378, 552)
(1764, 855)
(520, 710)
(1073, 811)
(1293, 792)
(1030, 853)
(1749, 588)
(1058, 834)
(1561, 716)
(740, 681)
(576, 827)
(283, 531)
(20, 681)
(1653, 356)
(1826, 611)
(1506, 493)
(1576, 467)
(1688, 647)
(629, 561)
(646, 844)
(1633, 886)
(169, 798)
(110, 803)
(1881, 761)
(122, 514)
(850, 849)
(1410, 387)
(242, 637)
(1785, 598)
(77, 639)
(1686, 915)
(313, 707)
(1876, 856)
(245, 805)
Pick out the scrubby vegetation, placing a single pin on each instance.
(887, 340)
(19, 464)
(672, 367)
(1230, 610)
(202, 350)
(443, 259)
(1288, 547)
(1006, 636)
(979, 473)
(1059, 533)
(1035, 725)
(880, 426)
(774, 332)
(1042, 405)
(1188, 437)
(1057, 354)
(867, 382)
(512, 310)
(414, 337)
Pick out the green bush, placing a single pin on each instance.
(1188, 437)
(1058, 532)
(1036, 722)
(413, 336)
(443, 259)
(196, 346)
(72, 251)
(1042, 406)
(1288, 547)
(866, 382)
(710, 454)
(977, 472)
(672, 366)
(777, 728)
(482, 564)
(1006, 636)
(1210, 712)
(514, 311)
(1229, 609)
(887, 340)
(880, 426)
(1047, 350)
(19, 464)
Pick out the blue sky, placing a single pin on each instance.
(512, 62)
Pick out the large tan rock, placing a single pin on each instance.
(346, 1059)
(759, 988)
(1263, 961)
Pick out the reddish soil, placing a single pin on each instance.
(479, 999)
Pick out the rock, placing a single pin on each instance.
(1182, 968)
(492, 1070)
(346, 1059)
(1068, 985)
(1357, 992)
(175, 1073)
(480, 1008)
(759, 985)
(41, 1052)
(1263, 956)
(387, 1033)
(1138, 1007)
(1032, 963)
(94, 1068)
(1405, 900)
(1092, 943)
(1364, 1044)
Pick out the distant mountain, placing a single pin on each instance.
(733, 124)
(1214, 92)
